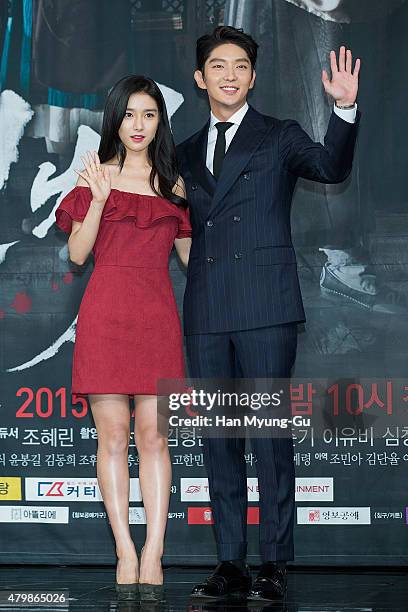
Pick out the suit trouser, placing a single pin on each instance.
(267, 352)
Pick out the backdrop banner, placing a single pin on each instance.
(58, 61)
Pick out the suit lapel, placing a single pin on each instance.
(247, 139)
(198, 164)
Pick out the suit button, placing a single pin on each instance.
(210, 259)
(194, 187)
(210, 223)
(238, 255)
(246, 176)
(237, 218)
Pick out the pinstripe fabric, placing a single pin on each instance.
(265, 352)
(242, 272)
(242, 298)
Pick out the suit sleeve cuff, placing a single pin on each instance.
(347, 114)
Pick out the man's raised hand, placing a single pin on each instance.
(343, 86)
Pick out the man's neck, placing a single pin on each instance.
(222, 112)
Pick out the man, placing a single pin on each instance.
(242, 301)
(294, 43)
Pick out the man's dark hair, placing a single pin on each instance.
(221, 36)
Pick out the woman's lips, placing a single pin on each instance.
(137, 138)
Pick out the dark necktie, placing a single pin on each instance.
(219, 151)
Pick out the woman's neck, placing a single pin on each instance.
(136, 160)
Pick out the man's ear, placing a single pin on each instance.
(252, 83)
(198, 77)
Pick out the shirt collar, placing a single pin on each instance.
(236, 117)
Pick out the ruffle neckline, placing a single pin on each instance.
(132, 193)
(144, 208)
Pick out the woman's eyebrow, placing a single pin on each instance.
(145, 110)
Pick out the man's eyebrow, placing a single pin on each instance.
(219, 59)
(145, 110)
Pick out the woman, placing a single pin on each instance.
(128, 208)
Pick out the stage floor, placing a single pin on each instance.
(310, 590)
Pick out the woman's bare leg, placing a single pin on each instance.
(155, 483)
(112, 419)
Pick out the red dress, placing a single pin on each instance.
(128, 332)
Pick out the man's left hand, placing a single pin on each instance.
(343, 86)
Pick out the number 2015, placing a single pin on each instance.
(45, 403)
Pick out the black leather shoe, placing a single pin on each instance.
(227, 579)
(270, 583)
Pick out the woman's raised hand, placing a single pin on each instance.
(97, 176)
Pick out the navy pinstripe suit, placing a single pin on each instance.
(243, 302)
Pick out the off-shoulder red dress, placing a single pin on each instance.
(128, 333)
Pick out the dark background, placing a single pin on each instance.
(64, 55)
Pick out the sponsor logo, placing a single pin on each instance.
(307, 489)
(334, 516)
(314, 489)
(34, 514)
(137, 516)
(253, 515)
(10, 487)
(199, 516)
(194, 489)
(314, 516)
(71, 489)
(197, 490)
(252, 488)
(203, 516)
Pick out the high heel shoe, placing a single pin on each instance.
(150, 593)
(128, 591)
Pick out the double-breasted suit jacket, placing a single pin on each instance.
(242, 272)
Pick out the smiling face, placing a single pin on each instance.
(227, 77)
(139, 125)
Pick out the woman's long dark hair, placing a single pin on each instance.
(161, 151)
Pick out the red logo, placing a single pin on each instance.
(200, 516)
(253, 515)
(203, 516)
(54, 491)
(314, 516)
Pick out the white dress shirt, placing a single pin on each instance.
(348, 115)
